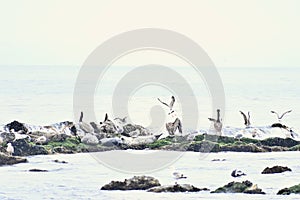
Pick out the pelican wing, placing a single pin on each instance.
(285, 114)
(276, 114)
(172, 102)
(211, 119)
(163, 102)
(245, 117)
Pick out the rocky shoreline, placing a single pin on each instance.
(69, 137)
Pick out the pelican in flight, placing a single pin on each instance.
(246, 119)
(170, 106)
(279, 117)
(217, 122)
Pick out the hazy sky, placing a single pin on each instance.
(238, 33)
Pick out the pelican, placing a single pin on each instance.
(170, 106)
(178, 176)
(246, 119)
(279, 117)
(10, 149)
(217, 122)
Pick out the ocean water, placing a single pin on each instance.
(82, 177)
(44, 95)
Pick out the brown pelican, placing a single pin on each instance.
(170, 106)
(279, 117)
(246, 119)
(172, 126)
(217, 122)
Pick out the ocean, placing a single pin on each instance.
(43, 95)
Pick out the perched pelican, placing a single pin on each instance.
(217, 122)
(246, 119)
(173, 126)
(10, 149)
(279, 117)
(170, 106)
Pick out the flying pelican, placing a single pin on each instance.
(279, 117)
(170, 106)
(246, 119)
(217, 122)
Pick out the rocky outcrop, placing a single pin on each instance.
(135, 183)
(177, 188)
(38, 170)
(275, 169)
(7, 137)
(90, 139)
(291, 190)
(22, 148)
(17, 126)
(239, 187)
(287, 142)
(10, 160)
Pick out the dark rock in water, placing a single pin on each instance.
(38, 170)
(135, 183)
(62, 162)
(287, 142)
(275, 169)
(22, 148)
(177, 188)
(17, 126)
(7, 137)
(10, 160)
(291, 190)
(239, 187)
(237, 173)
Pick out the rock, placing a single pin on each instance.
(135, 183)
(276, 141)
(17, 126)
(204, 146)
(108, 142)
(62, 149)
(90, 139)
(135, 130)
(239, 187)
(275, 169)
(237, 173)
(62, 162)
(59, 137)
(22, 148)
(37, 170)
(7, 137)
(176, 188)
(10, 160)
(242, 148)
(291, 190)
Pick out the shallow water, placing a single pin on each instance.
(83, 176)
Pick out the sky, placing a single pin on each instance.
(234, 33)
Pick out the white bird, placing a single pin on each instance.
(246, 119)
(10, 149)
(217, 122)
(170, 106)
(279, 117)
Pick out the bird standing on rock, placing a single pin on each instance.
(217, 122)
(10, 149)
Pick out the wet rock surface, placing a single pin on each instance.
(275, 169)
(239, 187)
(10, 160)
(177, 188)
(135, 183)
